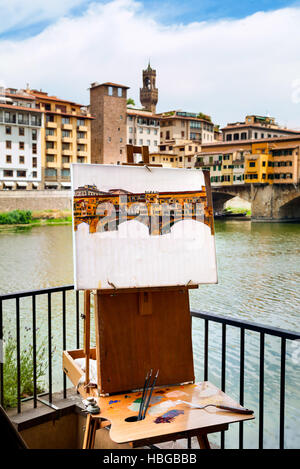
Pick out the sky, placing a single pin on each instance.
(223, 58)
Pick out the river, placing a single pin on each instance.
(258, 269)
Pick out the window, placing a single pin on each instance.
(228, 137)
(264, 163)
(236, 136)
(121, 140)
(49, 145)
(50, 158)
(141, 141)
(8, 173)
(109, 139)
(65, 146)
(34, 150)
(50, 172)
(8, 158)
(65, 120)
(80, 134)
(66, 159)
(130, 130)
(8, 143)
(148, 143)
(153, 158)
(155, 131)
(182, 134)
(8, 130)
(34, 174)
(262, 135)
(48, 132)
(48, 107)
(155, 143)
(148, 131)
(65, 173)
(49, 118)
(120, 92)
(21, 131)
(190, 148)
(67, 133)
(252, 164)
(80, 122)
(110, 91)
(243, 135)
(180, 158)
(34, 162)
(21, 146)
(21, 159)
(255, 134)
(21, 174)
(141, 130)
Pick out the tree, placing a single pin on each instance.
(130, 101)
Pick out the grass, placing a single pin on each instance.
(35, 218)
(238, 210)
(10, 372)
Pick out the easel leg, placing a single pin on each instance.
(203, 442)
(90, 432)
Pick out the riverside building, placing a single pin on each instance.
(21, 124)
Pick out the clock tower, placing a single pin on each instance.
(149, 93)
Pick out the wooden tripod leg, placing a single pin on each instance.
(86, 338)
(92, 425)
(203, 442)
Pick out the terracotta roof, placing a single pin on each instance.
(145, 113)
(108, 83)
(19, 95)
(257, 126)
(253, 141)
(20, 108)
(44, 96)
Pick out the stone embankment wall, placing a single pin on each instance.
(35, 200)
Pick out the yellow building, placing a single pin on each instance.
(259, 164)
(65, 139)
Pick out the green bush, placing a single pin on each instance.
(16, 217)
(26, 366)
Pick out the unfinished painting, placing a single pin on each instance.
(140, 226)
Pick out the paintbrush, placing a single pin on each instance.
(148, 376)
(150, 394)
(237, 410)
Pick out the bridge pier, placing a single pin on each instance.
(269, 202)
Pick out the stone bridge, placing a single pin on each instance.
(268, 201)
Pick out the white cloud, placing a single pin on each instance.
(20, 14)
(225, 68)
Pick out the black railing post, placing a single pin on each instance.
(242, 377)
(34, 350)
(223, 374)
(18, 354)
(64, 339)
(2, 357)
(261, 391)
(206, 350)
(282, 393)
(49, 348)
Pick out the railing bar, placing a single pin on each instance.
(43, 291)
(206, 350)
(77, 321)
(18, 355)
(261, 391)
(223, 374)
(242, 379)
(34, 350)
(246, 325)
(282, 393)
(49, 348)
(64, 339)
(2, 357)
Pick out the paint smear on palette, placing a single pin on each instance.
(113, 402)
(206, 391)
(162, 407)
(176, 394)
(135, 406)
(168, 417)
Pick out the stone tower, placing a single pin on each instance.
(149, 93)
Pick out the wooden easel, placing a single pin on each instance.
(136, 330)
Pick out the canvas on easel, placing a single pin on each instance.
(142, 236)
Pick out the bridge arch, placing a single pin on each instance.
(290, 209)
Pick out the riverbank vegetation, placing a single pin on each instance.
(37, 217)
(10, 371)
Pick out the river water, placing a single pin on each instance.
(259, 273)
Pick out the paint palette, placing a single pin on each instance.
(167, 414)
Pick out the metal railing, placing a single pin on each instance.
(208, 318)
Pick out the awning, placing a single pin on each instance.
(22, 184)
(35, 184)
(66, 184)
(51, 184)
(8, 184)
